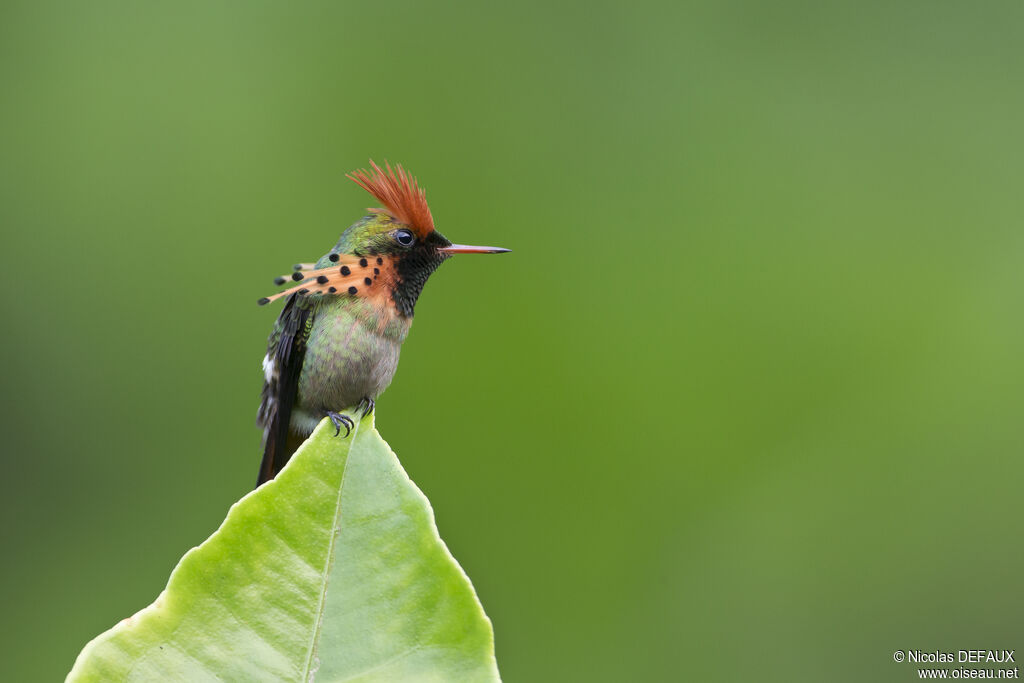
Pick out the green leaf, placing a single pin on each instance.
(334, 571)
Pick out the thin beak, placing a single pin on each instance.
(467, 249)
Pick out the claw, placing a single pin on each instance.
(367, 404)
(339, 421)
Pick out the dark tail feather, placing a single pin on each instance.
(276, 455)
(280, 389)
(267, 469)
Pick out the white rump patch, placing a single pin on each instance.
(269, 369)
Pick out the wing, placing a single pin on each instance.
(282, 365)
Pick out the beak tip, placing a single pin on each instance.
(468, 249)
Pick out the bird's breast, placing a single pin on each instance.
(351, 354)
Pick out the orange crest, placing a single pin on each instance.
(402, 197)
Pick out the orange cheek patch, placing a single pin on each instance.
(370, 277)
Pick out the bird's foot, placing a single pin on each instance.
(367, 404)
(339, 421)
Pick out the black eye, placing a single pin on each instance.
(404, 237)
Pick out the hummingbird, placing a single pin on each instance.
(336, 343)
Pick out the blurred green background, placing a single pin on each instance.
(744, 404)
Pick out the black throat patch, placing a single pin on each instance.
(414, 269)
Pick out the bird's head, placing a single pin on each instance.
(387, 255)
